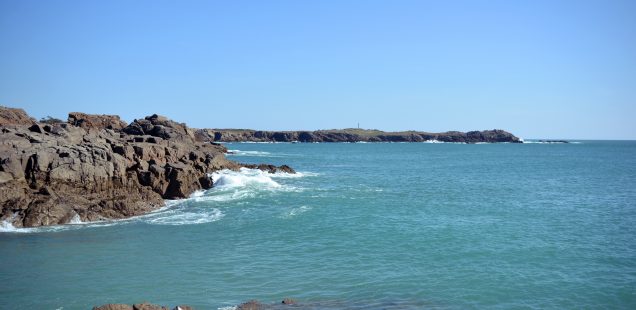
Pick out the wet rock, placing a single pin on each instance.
(270, 168)
(148, 306)
(250, 305)
(288, 301)
(140, 306)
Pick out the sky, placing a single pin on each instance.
(539, 69)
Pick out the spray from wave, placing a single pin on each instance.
(201, 207)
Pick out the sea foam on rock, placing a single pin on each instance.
(93, 168)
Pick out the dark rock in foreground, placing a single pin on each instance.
(353, 135)
(96, 168)
(141, 306)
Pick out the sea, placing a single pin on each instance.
(360, 226)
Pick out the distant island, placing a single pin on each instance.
(355, 135)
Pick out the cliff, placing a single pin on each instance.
(353, 135)
(95, 167)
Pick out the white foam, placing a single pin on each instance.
(179, 217)
(244, 177)
(546, 142)
(228, 186)
(6, 226)
(75, 220)
(247, 153)
(198, 193)
(295, 211)
(433, 141)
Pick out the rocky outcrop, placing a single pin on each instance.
(352, 135)
(13, 116)
(141, 306)
(88, 170)
(90, 121)
(161, 127)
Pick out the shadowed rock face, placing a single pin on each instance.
(88, 170)
(352, 135)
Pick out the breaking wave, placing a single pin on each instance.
(229, 186)
(247, 153)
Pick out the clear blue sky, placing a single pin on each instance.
(540, 69)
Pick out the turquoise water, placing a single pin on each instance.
(394, 226)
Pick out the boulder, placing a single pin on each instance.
(270, 168)
(94, 121)
(148, 306)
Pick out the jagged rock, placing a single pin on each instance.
(13, 116)
(94, 121)
(54, 173)
(270, 168)
(160, 126)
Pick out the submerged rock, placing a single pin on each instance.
(270, 168)
(250, 305)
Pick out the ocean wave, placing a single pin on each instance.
(247, 153)
(180, 217)
(549, 142)
(229, 186)
(295, 211)
(244, 177)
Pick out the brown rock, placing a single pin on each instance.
(114, 307)
(94, 121)
(250, 305)
(288, 301)
(13, 116)
(148, 306)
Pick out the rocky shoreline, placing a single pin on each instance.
(97, 167)
(355, 135)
